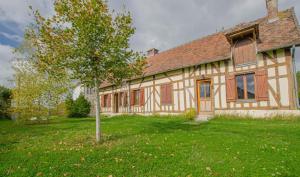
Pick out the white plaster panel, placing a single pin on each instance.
(272, 83)
(260, 60)
(209, 68)
(187, 97)
(254, 104)
(222, 67)
(147, 84)
(180, 85)
(263, 103)
(177, 77)
(246, 105)
(162, 81)
(186, 82)
(282, 70)
(175, 98)
(281, 56)
(192, 82)
(271, 72)
(284, 91)
(181, 101)
(230, 66)
(272, 99)
(216, 79)
(202, 70)
(217, 100)
(223, 96)
(222, 79)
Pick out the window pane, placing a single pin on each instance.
(240, 87)
(207, 88)
(250, 86)
(202, 91)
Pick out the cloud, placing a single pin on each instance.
(6, 71)
(12, 37)
(161, 24)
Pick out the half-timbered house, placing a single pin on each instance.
(248, 69)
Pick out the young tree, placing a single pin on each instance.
(89, 40)
(35, 93)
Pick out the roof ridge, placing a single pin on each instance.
(220, 32)
(186, 43)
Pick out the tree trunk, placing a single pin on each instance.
(98, 128)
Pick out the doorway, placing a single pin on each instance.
(116, 103)
(204, 98)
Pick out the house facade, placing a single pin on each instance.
(246, 70)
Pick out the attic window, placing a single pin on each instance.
(244, 51)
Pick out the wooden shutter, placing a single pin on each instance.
(244, 51)
(168, 94)
(261, 85)
(102, 101)
(230, 88)
(142, 97)
(132, 98)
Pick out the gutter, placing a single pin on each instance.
(295, 77)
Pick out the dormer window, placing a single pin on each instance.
(244, 51)
(243, 44)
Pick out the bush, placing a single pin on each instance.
(81, 107)
(5, 102)
(190, 114)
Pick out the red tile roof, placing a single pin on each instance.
(279, 34)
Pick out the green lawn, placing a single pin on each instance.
(137, 146)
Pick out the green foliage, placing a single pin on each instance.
(171, 147)
(36, 95)
(190, 114)
(87, 40)
(81, 107)
(5, 102)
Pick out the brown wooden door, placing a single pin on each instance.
(204, 96)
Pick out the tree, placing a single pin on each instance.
(81, 107)
(5, 102)
(89, 40)
(35, 94)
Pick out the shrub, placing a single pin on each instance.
(5, 102)
(81, 107)
(190, 114)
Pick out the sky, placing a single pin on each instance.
(161, 24)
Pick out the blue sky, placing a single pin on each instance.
(160, 24)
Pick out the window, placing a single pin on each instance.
(166, 94)
(205, 90)
(136, 97)
(245, 87)
(244, 51)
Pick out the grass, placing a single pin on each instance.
(156, 146)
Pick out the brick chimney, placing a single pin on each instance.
(152, 52)
(272, 7)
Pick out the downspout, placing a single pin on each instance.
(295, 77)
